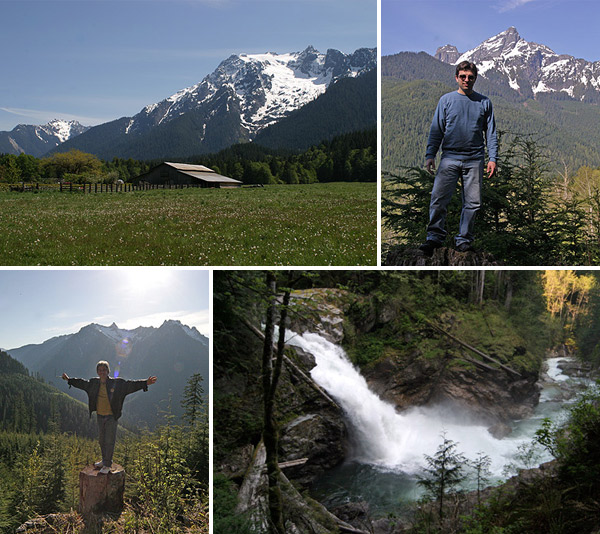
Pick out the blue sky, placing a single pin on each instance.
(566, 26)
(98, 60)
(39, 304)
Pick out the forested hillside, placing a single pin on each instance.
(29, 405)
(412, 84)
(473, 340)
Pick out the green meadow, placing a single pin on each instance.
(310, 224)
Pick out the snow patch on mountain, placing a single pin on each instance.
(264, 87)
(529, 66)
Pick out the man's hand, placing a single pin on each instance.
(151, 380)
(491, 168)
(430, 165)
(65, 376)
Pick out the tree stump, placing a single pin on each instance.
(98, 493)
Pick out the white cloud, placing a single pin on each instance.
(44, 116)
(509, 5)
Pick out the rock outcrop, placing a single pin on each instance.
(444, 256)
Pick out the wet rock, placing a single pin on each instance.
(574, 368)
(323, 312)
(500, 430)
(318, 437)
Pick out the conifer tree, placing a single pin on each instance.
(443, 474)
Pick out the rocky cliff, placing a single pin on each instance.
(439, 371)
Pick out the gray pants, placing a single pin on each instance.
(449, 173)
(107, 434)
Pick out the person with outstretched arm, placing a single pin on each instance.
(462, 126)
(106, 396)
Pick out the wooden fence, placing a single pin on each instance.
(70, 187)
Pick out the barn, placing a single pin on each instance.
(185, 174)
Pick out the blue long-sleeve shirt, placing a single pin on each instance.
(461, 125)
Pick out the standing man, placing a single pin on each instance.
(462, 123)
(105, 397)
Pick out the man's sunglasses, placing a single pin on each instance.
(470, 77)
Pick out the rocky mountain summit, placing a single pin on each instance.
(264, 87)
(243, 96)
(529, 67)
(37, 140)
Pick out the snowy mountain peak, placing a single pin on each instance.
(190, 331)
(37, 140)
(262, 88)
(531, 68)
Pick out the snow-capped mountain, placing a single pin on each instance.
(531, 68)
(244, 95)
(265, 87)
(37, 140)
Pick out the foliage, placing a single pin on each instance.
(523, 221)
(27, 404)
(350, 158)
(167, 473)
(444, 473)
(318, 224)
(225, 500)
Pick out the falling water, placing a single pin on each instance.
(389, 446)
(385, 437)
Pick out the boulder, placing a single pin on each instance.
(319, 437)
(101, 493)
(500, 430)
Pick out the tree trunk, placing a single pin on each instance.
(99, 493)
(269, 426)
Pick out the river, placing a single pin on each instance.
(388, 447)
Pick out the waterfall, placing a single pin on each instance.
(383, 436)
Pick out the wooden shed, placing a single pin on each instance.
(184, 173)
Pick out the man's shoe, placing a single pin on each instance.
(428, 247)
(465, 247)
(98, 465)
(105, 470)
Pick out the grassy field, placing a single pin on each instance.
(317, 224)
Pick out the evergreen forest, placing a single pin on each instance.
(46, 438)
(470, 335)
(347, 158)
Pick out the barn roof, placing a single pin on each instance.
(211, 176)
(188, 167)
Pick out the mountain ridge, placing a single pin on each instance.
(243, 96)
(173, 352)
(531, 68)
(36, 140)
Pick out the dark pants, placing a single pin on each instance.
(107, 434)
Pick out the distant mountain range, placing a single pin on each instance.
(242, 98)
(534, 92)
(37, 140)
(172, 352)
